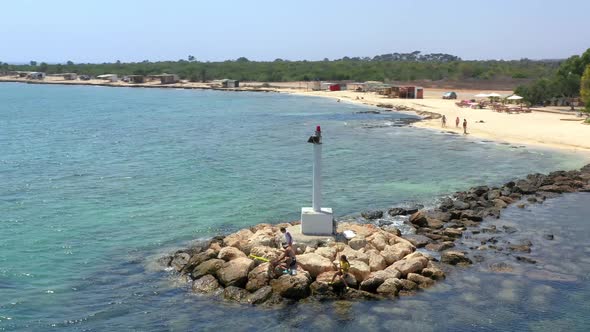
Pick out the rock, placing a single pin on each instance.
(165, 260)
(360, 270)
(433, 273)
(207, 267)
(499, 203)
(372, 214)
(351, 255)
(258, 277)
(392, 230)
(532, 199)
(440, 246)
(235, 272)
(525, 259)
(501, 267)
(460, 205)
(229, 253)
(371, 284)
(524, 187)
(260, 296)
(234, 293)
(418, 240)
(198, 259)
(521, 206)
(354, 294)
(376, 261)
(471, 215)
(509, 229)
(419, 219)
(548, 236)
(407, 285)
(328, 252)
(205, 284)
(264, 237)
(238, 239)
(321, 288)
(395, 252)
(520, 248)
(266, 252)
(390, 287)
(315, 264)
(434, 223)
(408, 266)
(357, 242)
(439, 215)
(180, 260)
(493, 194)
(292, 287)
(453, 232)
(423, 282)
(453, 257)
(378, 241)
(480, 190)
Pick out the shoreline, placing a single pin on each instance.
(384, 263)
(543, 129)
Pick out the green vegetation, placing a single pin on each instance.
(565, 83)
(385, 67)
(585, 88)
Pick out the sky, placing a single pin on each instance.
(135, 30)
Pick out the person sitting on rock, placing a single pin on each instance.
(343, 272)
(286, 262)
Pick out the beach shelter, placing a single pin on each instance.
(514, 97)
(494, 95)
(481, 95)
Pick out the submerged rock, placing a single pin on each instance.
(454, 257)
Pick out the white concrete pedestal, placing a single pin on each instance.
(317, 223)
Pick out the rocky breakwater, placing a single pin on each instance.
(382, 264)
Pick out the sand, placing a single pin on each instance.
(548, 127)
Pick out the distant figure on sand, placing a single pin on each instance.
(457, 120)
(465, 126)
(444, 121)
(344, 267)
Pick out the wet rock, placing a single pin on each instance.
(453, 257)
(236, 294)
(419, 219)
(355, 294)
(235, 272)
(439, 215)
(509, 229)
(360, 270)
(521, 206)
(165, 260)
(532, 199)
(547, 194)
(524, 187)
(423, 282)
(434, 223)
(371, 284)
(229, 253)
(520, 248)
(499, 203)
(407, 285)
(471, 215)
(180, 260)
(418, 240)
(433, 273)
(198, 259)
(205, 284)
(315, 264)
(446, 204)
(548, 236)
(207, 267)
(480, 190)
(372, 214)
(525, 259)
(405, 266)
(440, 246)
(460, 205)
(398, 211)
(321, 288)
(453, 232)
(292, 287)
(260, 296)
(501, 267)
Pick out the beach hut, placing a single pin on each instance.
(168, 78)
(358, 87)
(136, 79)
(227, 83)
(108, 77)
(36, 75)
(70, 76)
(314, 86)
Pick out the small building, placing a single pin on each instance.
(36, 75)
(70, 76)
(329, 86)
(136, 79)
(407, 92)
(227, 83)
(108, 77)
(314, 85)
(169, 78)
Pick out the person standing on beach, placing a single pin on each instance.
(465, 126)
(444, 121)
(457, 120)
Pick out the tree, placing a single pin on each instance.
(585, 88)
(69, 63)
(43, 67)
(33, 63)
(191, 58)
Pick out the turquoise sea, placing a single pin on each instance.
(96, 183)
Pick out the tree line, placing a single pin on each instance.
(569, 81)
(386, 67)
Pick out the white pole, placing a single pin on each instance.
(317, 180)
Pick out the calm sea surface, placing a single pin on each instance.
(96, 183)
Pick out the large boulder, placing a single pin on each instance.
(454, 257)
(378, 241)
(460, 205)
(207, 267)
(440, 246)
(292, 287)
(375, 279)
(393, 253)
(199, 258)
(357, 242)
(328, 252)
(205, 284)
(258, 277)
(314, 263)
(266, 252)
(413, 264)
(360, 270)
(418, 240)
(230, 253)
(376, 261)
(239, 239)
(390, 287)
(264, 237)
(260, 296)
(372, 214)
(235, 272)
(408, 285)
(352, 254)
(434, 223)
(433, 273)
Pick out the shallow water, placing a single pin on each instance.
(98, 182)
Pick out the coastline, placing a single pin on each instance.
(551, 130)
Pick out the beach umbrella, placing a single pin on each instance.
(481, 95)
(494, 95)
(514, 97)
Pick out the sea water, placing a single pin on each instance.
(97, 183)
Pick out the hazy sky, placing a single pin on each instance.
(136, 30)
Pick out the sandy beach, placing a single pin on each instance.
(549, 127)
